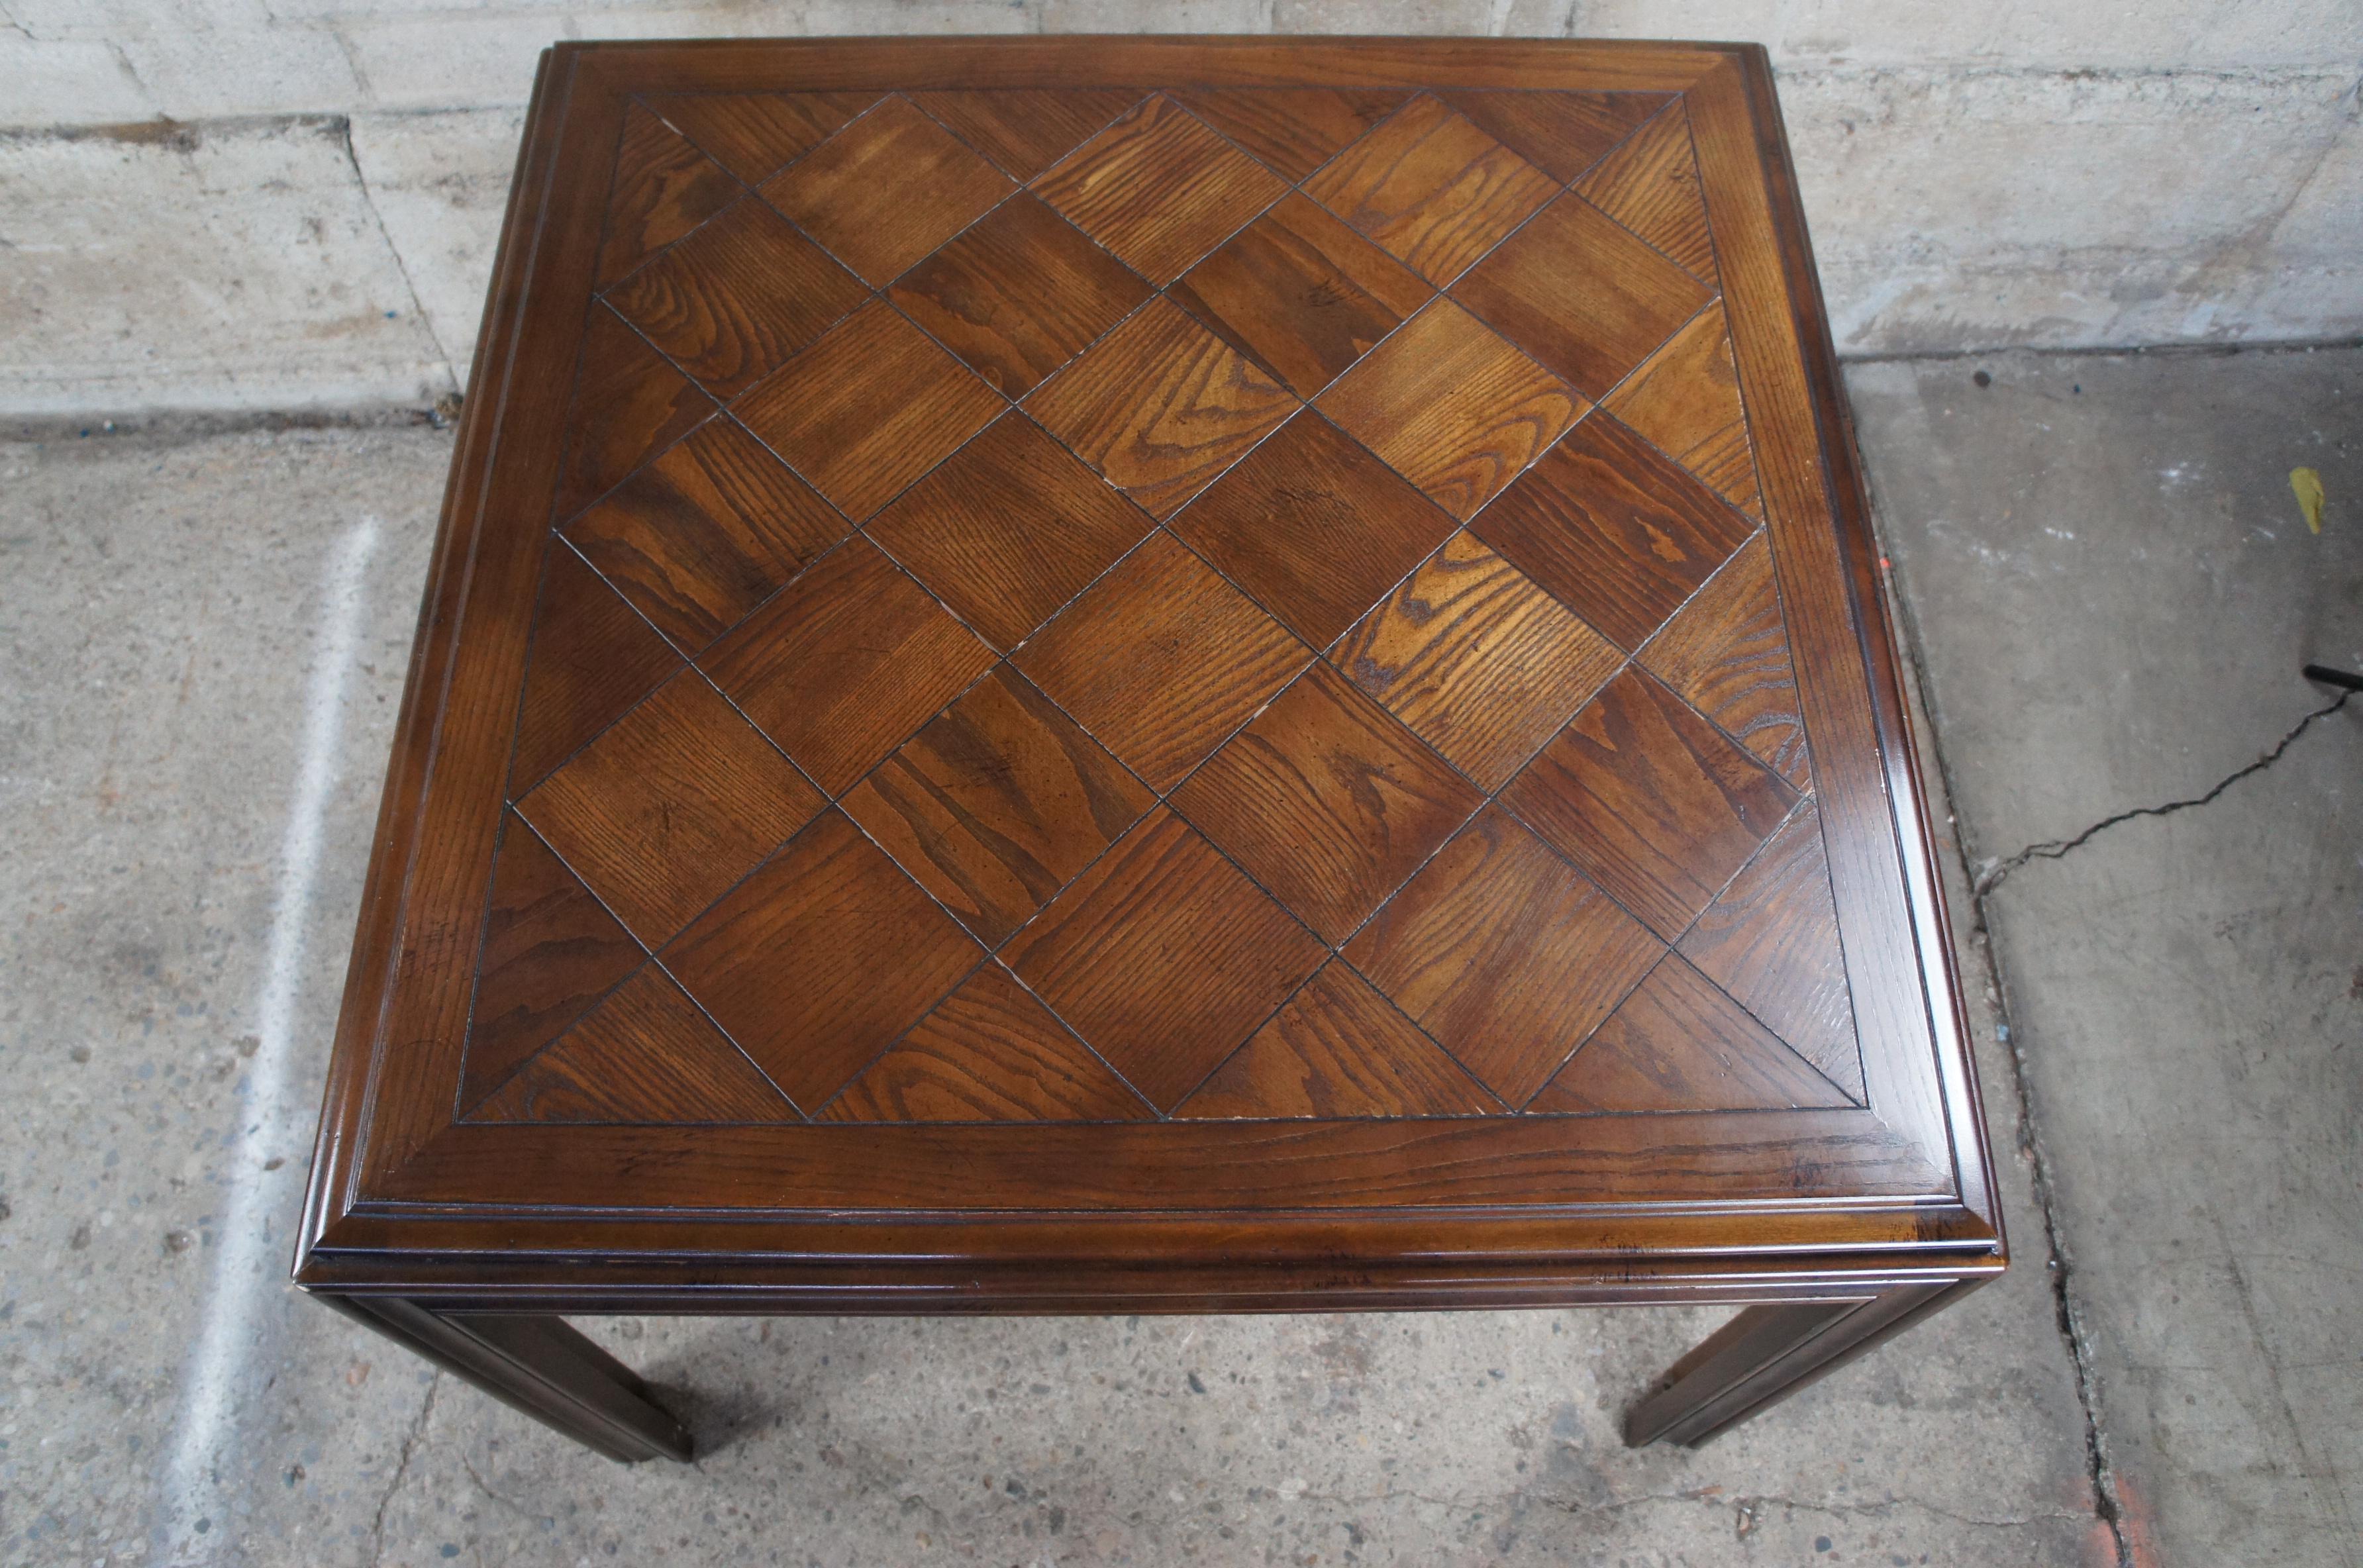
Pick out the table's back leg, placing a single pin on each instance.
(538, 1364)
(1768, 1353)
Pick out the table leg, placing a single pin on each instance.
(540, 1365)
(1768, 1353)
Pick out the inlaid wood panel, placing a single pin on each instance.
(1338, 1048)
(989, 1052)
(1452, 407)
(669, 807)
(1161, 406)
(850, 658)
(1151, 672)
(1482, 663)
(1164, 957)
(1019, 295)
(887, 189)
(1160, 189)
(645, 1054)
(1009, 529)
(1326, 800)
(703, 535)
(1314, 527)
(1161, 659)
(998, 803)
(1653, 801)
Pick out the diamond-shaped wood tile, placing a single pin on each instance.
(676, 802)
(1338, 1049)
(1481, 664)
(989, 1052)
(1505, 954)
(1294, 129)
(1327, 801)
(998, 803)
(1019, 293)
(869, 408)
(664, 188)
(1685, 399)
(754, 133)
(1452, 407)
(646, 1054)
(1161, 406)
(629, 405)
(887, 189)
(1314, 527)
(1164, 957)
(1654, 802)
(591, 659)
(847, 660)
(1301, 294)
(820, 960)
(1726, 651)
(1162, 659)
(1025, 130)
(731, 302)
(1615, 529)
(705, 533)
(1158, 188)
(1563, 134)
(1432, 188)
(1650, 184)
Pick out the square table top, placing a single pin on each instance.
(1196, 671)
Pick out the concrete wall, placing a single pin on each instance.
(291, 203)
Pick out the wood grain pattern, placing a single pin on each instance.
(1009, 529)
(1771, 940)
(669, 807)
(1314, 527)
(664, 188)
(1019, 293)
(1432, 188)
(1652, 186)
(754, 133)
(1163, 956)
(821, 959)
(867, 409)
(1452, 407)
(1161, 406)
(1160, 189)
(629, 405)
(1582, 295)
(1651, 801)
(1678, 1044)
(989, 1052)
(845, 662)
(1338, 1049)
(1562, 134)
(1300, 293)
(1480, 663)
(731, 302)
(1685, 399)
(1162, 660)
(887, 189)
(1295, 130)
(644, 1054)
(705, 533)
(591, 660)
(1328, 802)
(1727, 655)
(997, 804)
(551, 950)
(1027, 130)
(1505, 954)
(1615, 531)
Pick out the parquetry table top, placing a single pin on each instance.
(1172, 650)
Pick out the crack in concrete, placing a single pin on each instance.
(369, 199)
(410, 1441)
(2054, 849)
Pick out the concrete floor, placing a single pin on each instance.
(201, 641)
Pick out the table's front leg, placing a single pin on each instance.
(538, 1364)
(1768, 1353)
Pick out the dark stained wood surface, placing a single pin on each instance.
(1243, 664)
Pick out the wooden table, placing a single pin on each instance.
(1086, 675)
